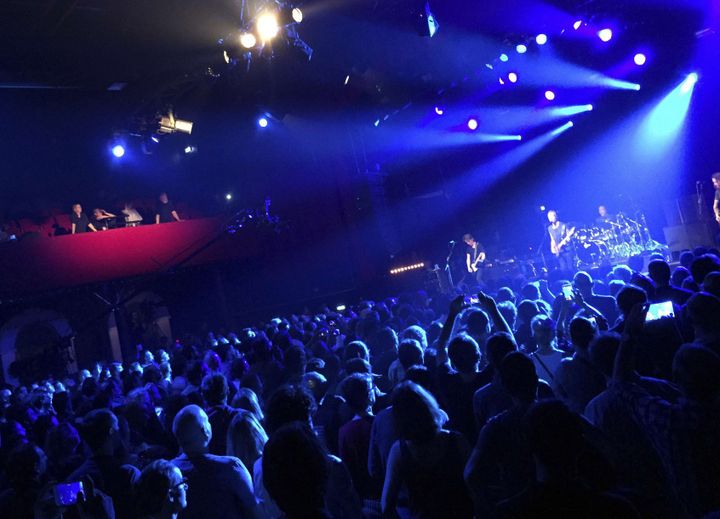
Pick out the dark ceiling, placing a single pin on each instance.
(163, 50)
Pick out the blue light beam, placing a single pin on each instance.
(568, 111)
(565, 127)
(664, 122)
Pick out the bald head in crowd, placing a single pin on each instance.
(192, 430)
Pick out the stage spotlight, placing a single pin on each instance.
(589, 108)
(521, 49)
(297, 15)
(549, 95)
(504, 57)
(267, 26)
(118, 151)
(640, 59)
(512, 77)
(168, 124)
(689, 83)
(248, 40)
(577, 24)
(541, 39)
(439, 110)
(228, 197)
(605, 35)
(262, 122)
(472, 124)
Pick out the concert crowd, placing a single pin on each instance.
(536, 401)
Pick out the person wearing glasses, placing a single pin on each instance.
(161, 491)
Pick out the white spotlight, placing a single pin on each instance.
(297, 15)
(577, 24)
(513, 77)
(267, 26)
(521, 49)
(228, 197)
(640, 59)
(541, 39)
(248, 40)
(605, 35)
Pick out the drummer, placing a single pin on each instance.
(604, 219)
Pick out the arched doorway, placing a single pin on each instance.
(35, 344)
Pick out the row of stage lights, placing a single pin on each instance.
(400, 270)
(119, 144)
(605, 35)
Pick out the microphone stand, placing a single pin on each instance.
(699, 191)
(447, 268)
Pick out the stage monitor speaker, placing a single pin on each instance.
(689, 236)
(682, 211)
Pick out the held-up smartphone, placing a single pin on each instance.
(567, 291)
(657, 311)
(66, 494)
(471, 300)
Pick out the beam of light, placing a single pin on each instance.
(663, 124)
(565, 127)
(568, 111)
(489, 137)
(617, 84)
(547, 68)
(689, 83)
(485, 175)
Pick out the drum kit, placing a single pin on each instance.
(614, 240)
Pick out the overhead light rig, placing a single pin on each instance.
(261, 30)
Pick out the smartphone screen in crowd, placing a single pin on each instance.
(657, 311)
(66, 494)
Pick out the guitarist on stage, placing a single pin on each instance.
(716, 201)
(474, 257)
(560, 235)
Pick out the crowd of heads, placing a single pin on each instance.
(416, 406)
